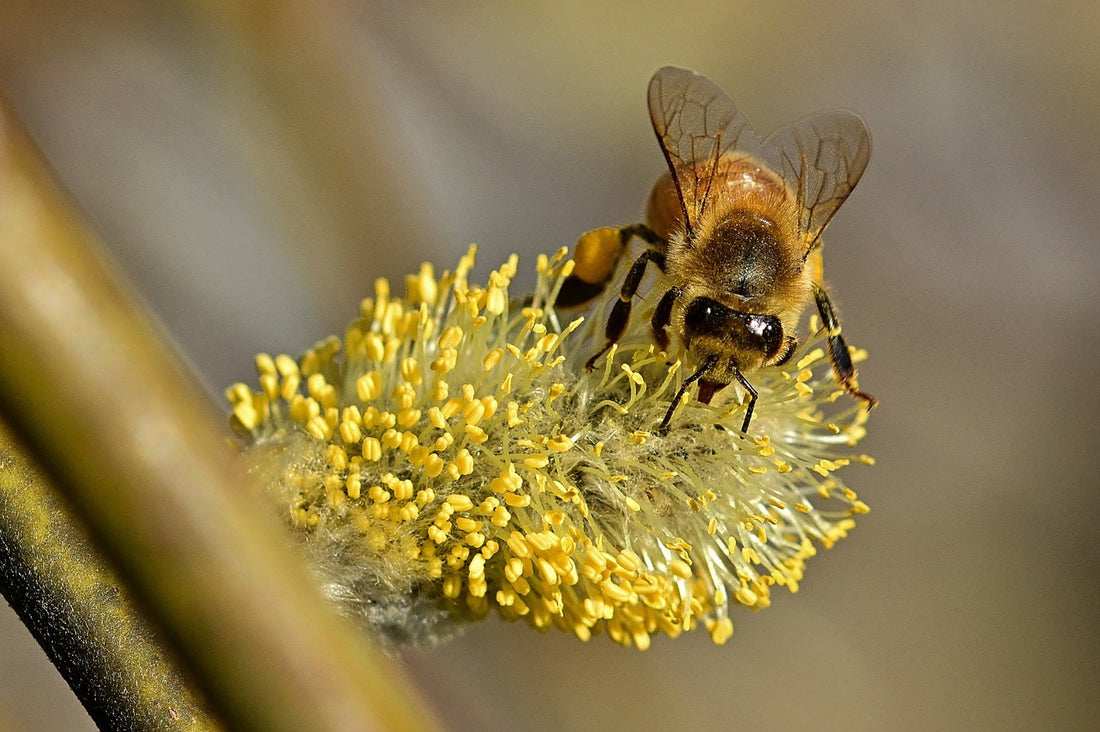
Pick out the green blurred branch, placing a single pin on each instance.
(85, 621)
(131, 442)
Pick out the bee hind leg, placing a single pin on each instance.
(843, 368)
(708, 364)
(595, 257)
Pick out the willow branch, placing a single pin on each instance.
(71, 600)
(132, 443)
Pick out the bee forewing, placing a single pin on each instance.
(821, 158)
(695, 123)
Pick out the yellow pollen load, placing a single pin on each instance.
(452, 446)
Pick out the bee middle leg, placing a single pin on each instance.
(620, 313)
(843, 368)
(662, 316)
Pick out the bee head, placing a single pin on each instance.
(749, 339)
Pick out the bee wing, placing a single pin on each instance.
(821, 158)
(695, 123)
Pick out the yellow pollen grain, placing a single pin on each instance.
(474, 413)
(543, 541)
(516, 500)
(508, 481)
(556, 390)
(409, 440)
(537, 462)
(336, 457)
(408, 417)
(286, 366)
(269, 385)
(451, 337)
(375, 347)
(560, 443)
(368, 387)
(446, 361)
(557, 518)
(265, 364)
(350, 432)
(438, 535)
(238, 393)
(391, 438)
(435, 416)
(247, 415)
(476, 434)
(803, 389)
(811, 357)
(318, 428)
(613, 592)
(302, 409)
(353, 486)
(680, 568)
(512, 413)
(290, 386)
(548, 342)
(546, 569)
(372, 449)
(418, 455)
(463, 523)
(519, 545)
(459, 502)
(451, 407)
(496, 301)
(452, 587)
(422, 287)
(464, 461)
(440, 391)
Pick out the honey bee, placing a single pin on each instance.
(735, 227)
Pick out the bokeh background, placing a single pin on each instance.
(255, 166)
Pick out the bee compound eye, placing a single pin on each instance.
(769, 330)
(704, 315)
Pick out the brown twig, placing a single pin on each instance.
(131, 442)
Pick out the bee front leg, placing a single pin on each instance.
(620, 314)
(843, 368)
(752, 399)
(708, 364)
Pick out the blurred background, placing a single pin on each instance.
(255, 166)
